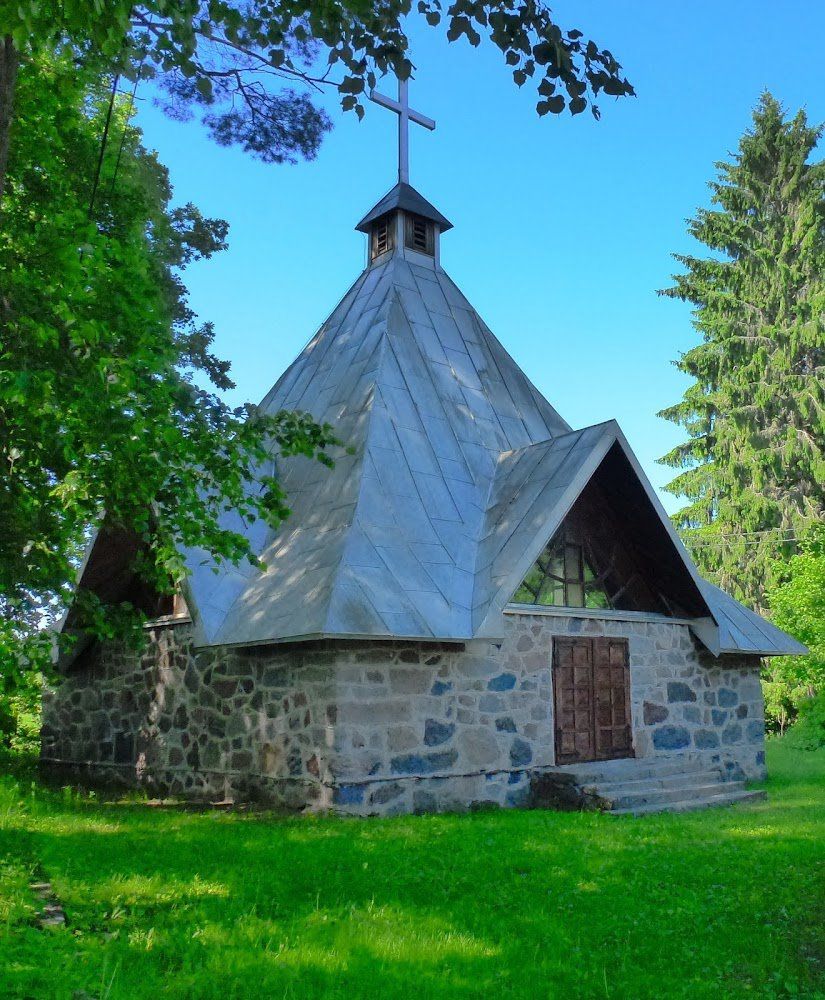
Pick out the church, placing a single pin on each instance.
(478, 606)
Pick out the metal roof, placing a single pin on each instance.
(736, 629)
(385, 543)
(458, 474)
(404, 196)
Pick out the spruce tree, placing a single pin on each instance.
(754, 462)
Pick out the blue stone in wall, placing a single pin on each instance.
(520, 753)
(742, 712)
(505, 725)
(692, 714)
(755, 731)
(732, 733)
(705, 739)
(514, 778)
(348, 795)
(710, 697)
(410, 763)
(760, 757)
(727, 698)
(671, 738)
(441, 687)
(441, 761)
(504, 682)
(678, 691)
(416, 763)
(386, 793)
(719, 716)
(518, 797)
(436, 732)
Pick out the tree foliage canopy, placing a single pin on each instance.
(798, 606)
(238, 63)
(103, 364)
(754, 461)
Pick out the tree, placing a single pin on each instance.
(237, 63)
(798, 605)
(754, 463)
(102, 367)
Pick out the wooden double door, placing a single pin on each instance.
(591, 695)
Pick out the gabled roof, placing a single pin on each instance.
(404, 196)
(534, 490)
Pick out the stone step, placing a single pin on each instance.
(629, 769)
(608, 789)
(698, 791)
(724, 798)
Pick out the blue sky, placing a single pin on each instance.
(563, 227)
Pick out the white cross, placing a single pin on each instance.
(405, 115)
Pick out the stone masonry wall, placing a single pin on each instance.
(683, 699)
(381, 727)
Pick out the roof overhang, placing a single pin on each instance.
(405, 197)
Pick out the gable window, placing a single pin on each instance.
(381, 236)
(592, 562)
(563, 576)
(419, 234)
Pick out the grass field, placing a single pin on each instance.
(724, 903)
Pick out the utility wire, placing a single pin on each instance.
(103, 141)
(740, 534)
(126, 121)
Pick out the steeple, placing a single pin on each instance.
(403, 220)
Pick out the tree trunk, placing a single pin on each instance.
(9, 63)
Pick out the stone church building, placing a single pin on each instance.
(479, 604)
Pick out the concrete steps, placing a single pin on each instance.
(630, 769)
(638, 787)
(724, 798)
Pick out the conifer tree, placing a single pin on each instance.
(754, 462)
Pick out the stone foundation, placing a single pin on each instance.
(381, 727)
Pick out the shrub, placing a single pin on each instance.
(808, 732)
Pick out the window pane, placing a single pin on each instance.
(596, 598)
(573, 563)
(552, 593)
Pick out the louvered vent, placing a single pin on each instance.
(381, 236)
(419, 234)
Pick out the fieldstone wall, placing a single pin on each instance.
(683, 699)
(380, 727)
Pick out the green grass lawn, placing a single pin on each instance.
(723, 903)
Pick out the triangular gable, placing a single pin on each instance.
(535, 489)
(108, 571)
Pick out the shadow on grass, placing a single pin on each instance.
(727, 902)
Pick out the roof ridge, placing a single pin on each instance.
(352, 294)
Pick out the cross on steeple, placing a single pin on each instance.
(405, 115)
